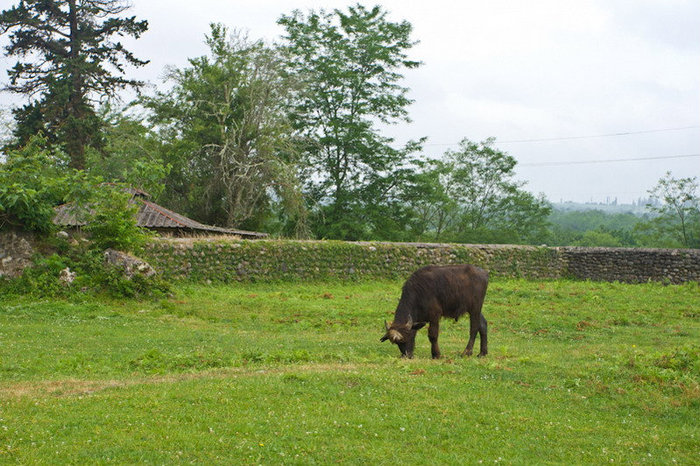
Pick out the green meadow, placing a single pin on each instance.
(578, 372)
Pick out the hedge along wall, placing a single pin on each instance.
(269, 260)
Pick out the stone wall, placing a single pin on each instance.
(632, 265)
(229, 260)
(269, 260)
(16, 251)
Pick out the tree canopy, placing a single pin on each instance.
(676, 216)
(67, 62)
(350, 64)
(286, 137)
(470, 195)
(226, 133)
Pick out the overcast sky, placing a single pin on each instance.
(577, 70)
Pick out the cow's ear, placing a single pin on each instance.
(384, 338)
(418, 325)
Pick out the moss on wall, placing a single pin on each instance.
(228, 260)
(270, 260)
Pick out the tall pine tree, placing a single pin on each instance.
(68, 61)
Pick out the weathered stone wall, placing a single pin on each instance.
(269, 260)
(632, 265)
(16, 251)
(228, 260)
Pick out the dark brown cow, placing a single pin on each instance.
(434, 292)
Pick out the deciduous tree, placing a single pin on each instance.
(492, 207)
(676, 216)
(227, 136)
(350, 64)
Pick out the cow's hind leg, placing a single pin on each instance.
(474, 324)
(483, 340)
(433, 332)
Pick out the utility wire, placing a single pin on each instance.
(626, 133)
(582, 162)
(567, 138)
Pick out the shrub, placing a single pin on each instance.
(92, 276)
(111, 220)
(41, 279)
(32, 181)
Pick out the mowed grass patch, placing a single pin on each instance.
(291, 373)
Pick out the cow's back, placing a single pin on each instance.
(457, 289)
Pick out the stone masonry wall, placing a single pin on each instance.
(270, 260)
(16, 250)
(632, 265)
(228, 260)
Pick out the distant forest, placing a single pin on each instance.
(277, 137)
(596, 228)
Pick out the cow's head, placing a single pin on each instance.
(403, 335)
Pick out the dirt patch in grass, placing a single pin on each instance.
(78, 387)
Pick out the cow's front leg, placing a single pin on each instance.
(433, 332)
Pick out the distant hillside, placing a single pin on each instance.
(638, 209)
(578, 224)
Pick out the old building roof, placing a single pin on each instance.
(153, 216)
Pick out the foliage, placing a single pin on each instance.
(597, 238)
(111, 219)
(676, 220)
(469, 196)
(92, 276)
(131, 154)
(226, 134)
(593, 228)
(284, 138)
(33, 180)
(350, 64)
(42, 279)
(572, 365)
(433, 209)
(67, 60)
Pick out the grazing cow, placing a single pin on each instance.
(434, 292)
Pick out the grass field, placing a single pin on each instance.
(578, 372)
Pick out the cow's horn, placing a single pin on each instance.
(386, 326)
(409, 324)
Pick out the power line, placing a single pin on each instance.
(567, 138)
(582, 162)
(626, 133)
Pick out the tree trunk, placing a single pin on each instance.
(74, 128)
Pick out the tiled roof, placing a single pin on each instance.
(151, 215)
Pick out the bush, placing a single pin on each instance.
(111, 221)
(92, 276)
(33, 180)
(593, 238)
(41, 279)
